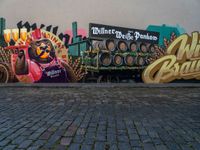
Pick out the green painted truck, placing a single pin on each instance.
(90, 56)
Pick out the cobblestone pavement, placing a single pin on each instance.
(100, 118)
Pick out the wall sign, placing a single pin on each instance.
(104, 31)
(181, 62)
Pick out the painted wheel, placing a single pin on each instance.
(6, 74)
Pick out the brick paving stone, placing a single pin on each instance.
(123, 146)
(101, 137)
(121, 132)
(149, 118)
(52, 128)
(99, 146)
(65, 141)
(135, 143)
(86, 147)
(134, 136)
(196, 146)
(3, 129)
(40, 130)
(180, 140)
(111, 138)
(51, 141)
(74, 146)
(58, 132)
(18, 132)
(89, 141)
(2, 137)
(186, 147)
(161, 147)
(29, 125)
(45, 135)
(137, 148)
(148, 146)
(111, 131)
(81, 131)
(145, 139)
(39, 143)
(153, 134)
(18, 140)
(25, 144)
(12, 136)
(27, 133)
(4, 142)
(166, 137)
(173, 146)
(10, 147)
(142, 131)
(33, 148)
(113, 147)
(78, 139)
(34, 136)
(90, 135)
(69, 132)
(60, 147)
(157, 141)
(123, 138)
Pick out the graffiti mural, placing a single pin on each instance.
(39, 62)
(181, 61)
(36, 56)
(34, 53)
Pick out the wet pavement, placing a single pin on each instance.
(99, 117)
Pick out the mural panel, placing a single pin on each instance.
(181, 61)
(34, 53)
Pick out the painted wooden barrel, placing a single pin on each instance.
(122, 46)
(108, 45)
(105, 59)
(140, 61)
(152, 48)
(143, 48)
(133, 46)
(129, 60)
(117, 60)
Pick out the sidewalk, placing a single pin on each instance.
(99, 117)
(101, 85)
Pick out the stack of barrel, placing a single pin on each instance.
(121, 53)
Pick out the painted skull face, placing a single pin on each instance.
(42, 50)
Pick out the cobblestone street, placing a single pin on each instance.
(100, 118)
